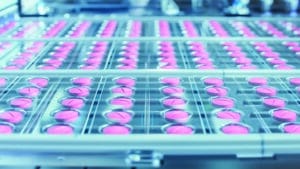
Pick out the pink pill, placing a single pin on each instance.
(270, 54)
(6, 129)
(96, 54)
(116, 130)
(263, 49)
(66, 115)
(258, 81)
(19, 61)
(29, 91)
(53, 62)
(216, 91)
(284, 67)
(121, 117)
(179, 116)
(99, 48)
(273, 102)
(39, 82)
(75, 103)
(213, 81)
(202, 54)
(232, 48)
(12, 116)
(174, 102)
(79, 91)
(11, 67)
(122, 102)
(229, 115)
(295, 48)
(242, 60)
(223, 102)
(82, 81)
(203, 61)
(21, 102)
(179, 130)
(60, 129)
(284, 115)
(3, 82)
(60, 55)
(291, 128)
(122, 91)
(276, 61)
(266, 91)
(235, 129)
(125, 81)
(176, 91)
(172, 81)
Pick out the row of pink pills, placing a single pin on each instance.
(79, 30)
(243, 29)
(54, 29)
(95, 56)
(238, 56)
(6, 27)
(292, 127)
(25, 56)
(272, 57)
(176, 107)
(121, 104)
(220, 99)
(217, 29)
(293, 46)
(163, 29)
(130, 50)
(19, 105)
(289, 26)
(188, 29)
(108, 29)
(166, 52)
(270, 29)
(134, 29)
(201, 56)
(277, 105)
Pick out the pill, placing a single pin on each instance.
(284, 115)
(266, 91)
(122, 117)
(179, 116)
(242, 60)
(6, 129)
(79, 91)
(276, 61)
(292, 128)
(263, 48)
(270, 54)
(284, 67)
(3, 82)
(66, 115)
(216, 91)
(235, 129)
(223, 102)
(249, 67)
(174, 102)
(295, 81)
(295, 48)
(75, 103)
(178, 91)
(123, 91)
(82, 81)
(229, 115)
(39, 82)
(237, 54)
(116, 130)
(125, 81)
(258, 81)
(179, 129)
(29, 91)
(12, 116)
(122, 102)
(21, 102)
(172, 81)
(213, 81)
(273, 102)
(60, 129)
